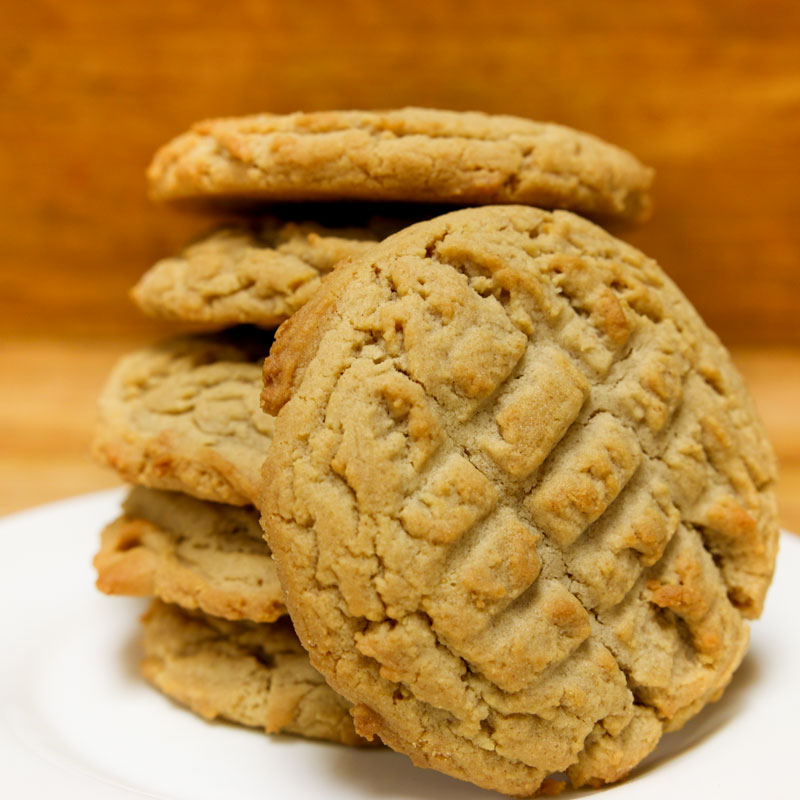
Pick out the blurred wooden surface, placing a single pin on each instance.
(707, 91)
(47, 414)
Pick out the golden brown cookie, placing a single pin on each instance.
(256, 674)
(258, 274)
(520, 501)
(409, 154)
(184, 416)
(194, 553)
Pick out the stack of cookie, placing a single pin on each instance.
(518, 501)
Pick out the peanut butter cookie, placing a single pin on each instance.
(258, 274)
(520, 501)
(410, 154)
(184, 415)
(246, 672)
(194, 553)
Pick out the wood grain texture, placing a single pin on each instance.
(707, 91)
(49, 388)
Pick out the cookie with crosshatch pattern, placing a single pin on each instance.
(406, 155)
(519, 499)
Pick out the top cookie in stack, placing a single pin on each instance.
(528, 323)
(409, 155)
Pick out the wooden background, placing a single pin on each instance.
(706, 92)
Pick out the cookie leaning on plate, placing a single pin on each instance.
(184, 416)
(409, 154)
(520, 501)
(198, 554)
(255, 674)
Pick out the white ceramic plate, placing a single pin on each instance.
(77, 721)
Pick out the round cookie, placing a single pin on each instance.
(184, 416)
(407, 155)
(256, 674)
(519, 499)
(258, 274)
(200, 555)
